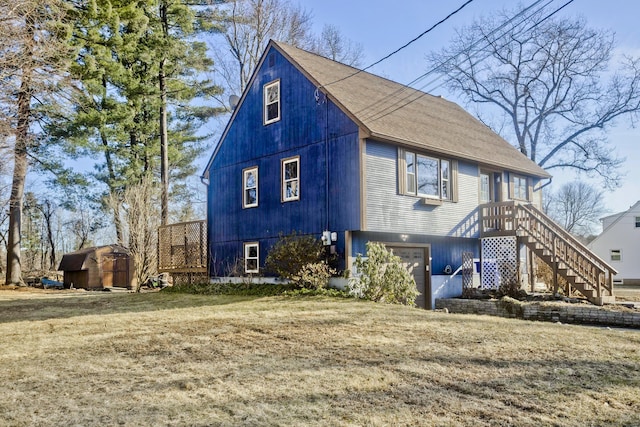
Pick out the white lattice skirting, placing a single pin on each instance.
(499, 263)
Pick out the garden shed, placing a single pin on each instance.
(98, 267)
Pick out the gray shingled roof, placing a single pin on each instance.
(390, 111)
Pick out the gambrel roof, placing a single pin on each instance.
(389, 111)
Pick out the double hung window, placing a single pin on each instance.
(272, 102)
(250, 187)
(519, 186)
(291, 179)
(251, 257)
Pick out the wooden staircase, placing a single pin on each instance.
(583, 270)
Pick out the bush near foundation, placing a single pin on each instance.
(381, 277)
(301, 260)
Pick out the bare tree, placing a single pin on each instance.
(141, 220)
(248, 25)
(31, 57)
(333, 45)
(549, 79)
(577, 206)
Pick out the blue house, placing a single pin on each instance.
(317, 147)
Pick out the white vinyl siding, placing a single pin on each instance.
(619, 244)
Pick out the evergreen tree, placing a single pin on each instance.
(140, 72)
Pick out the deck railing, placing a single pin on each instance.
(182, 247)
(512, 218)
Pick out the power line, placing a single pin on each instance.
(380, 114)
(409, 87)
(402, 47)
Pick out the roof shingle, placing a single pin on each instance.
(390, 111)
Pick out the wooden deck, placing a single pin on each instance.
(569, 258)
(182, 248)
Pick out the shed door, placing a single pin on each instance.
(414, 259)
(115, 270)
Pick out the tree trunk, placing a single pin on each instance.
(164, 143)
(164, 148)
(14, 267)
(111, 172)
(47, 213)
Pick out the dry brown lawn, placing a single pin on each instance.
(88, 359)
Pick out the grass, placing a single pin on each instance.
(180, 359)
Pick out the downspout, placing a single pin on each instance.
(326, 156)
(204, 179)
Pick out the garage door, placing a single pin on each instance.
(414, 261)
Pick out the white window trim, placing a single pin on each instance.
(284, 181)
(266, 103)
(619, 253)
(247, 247)
(245, 172)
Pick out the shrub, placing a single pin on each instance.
(292, 254)
(381, 277)
(313, 275)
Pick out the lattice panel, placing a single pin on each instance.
(467, 270)
(182, 246)
(499, 262)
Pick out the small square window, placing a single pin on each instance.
(291, 179)
(250, 187)
(251, 257)
(638, 222)
(272, 102)
(616, 255)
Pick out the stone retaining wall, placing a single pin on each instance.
(543, 311)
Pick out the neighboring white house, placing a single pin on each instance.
(619, 244)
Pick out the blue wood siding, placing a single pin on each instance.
(389, 211)
(324, 138)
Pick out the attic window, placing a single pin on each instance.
(272, 102)
(638, 222)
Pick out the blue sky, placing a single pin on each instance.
(382, 27)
